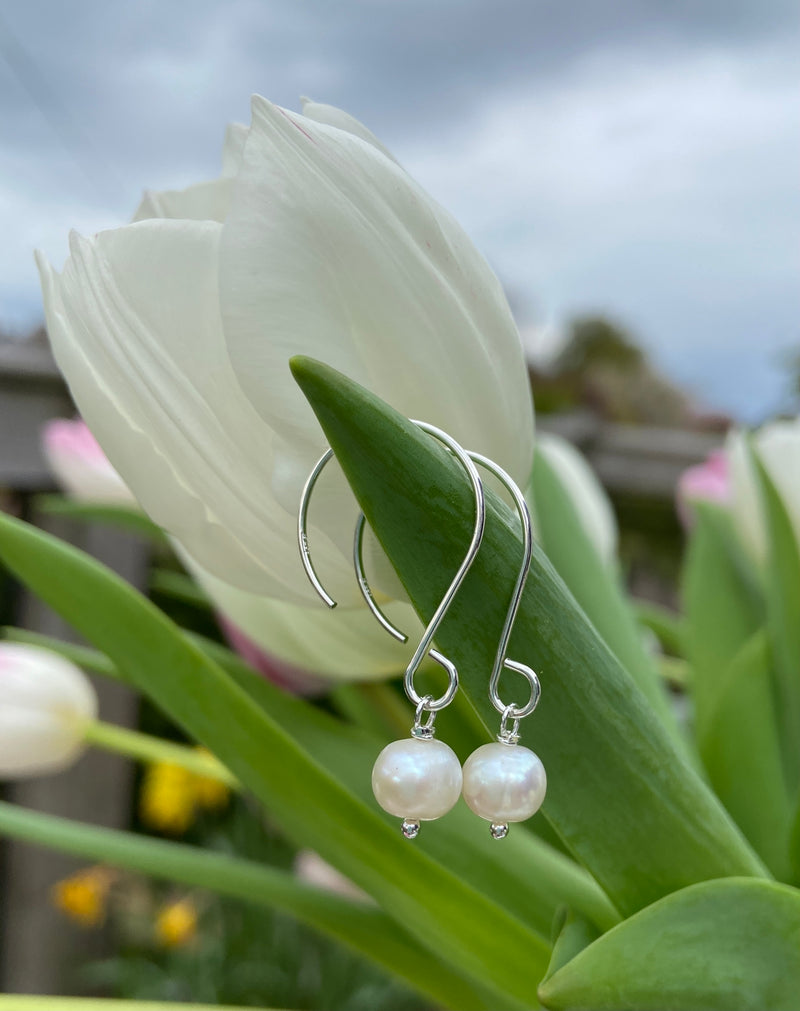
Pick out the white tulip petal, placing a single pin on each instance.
(134, 325)
(778, 446)
(331, 250)
(745, 497)
(45, 704)
(343, 644)
(233, 148)
(330, 115)
(209, 201)
(592, 505)
(33, 744)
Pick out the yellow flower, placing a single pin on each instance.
(212, 794)
(176, 924)
(168, 798)
(82, 897)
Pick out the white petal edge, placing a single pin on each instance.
(150, 376)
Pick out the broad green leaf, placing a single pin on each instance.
(525, 875)
(361, 926)
(620, 795)
(123, 517)
(469, 931)
(723, 605)
(596, 589)
(740, 748)
(728, 945)
(783, 618)
(25, 1002)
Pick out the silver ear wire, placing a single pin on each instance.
(423, 703)
(510, 711)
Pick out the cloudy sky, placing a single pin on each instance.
(635, 157)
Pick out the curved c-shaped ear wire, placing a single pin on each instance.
(501, 660)
(430, 705)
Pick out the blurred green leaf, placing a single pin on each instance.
(123, 517)
(527, 876)
(180, 587)
(724, 606)
(741, 750)
(620, 795)
(728, 945)
(663, 623)
(361, 926)
(23, 1002)
(783, 618)
(593, 585)
(467, 929)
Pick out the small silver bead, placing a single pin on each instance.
(499, 830)
(410, 828)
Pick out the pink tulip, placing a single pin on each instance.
(707, 482)
(80, 466)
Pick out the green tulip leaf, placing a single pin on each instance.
(783, 617)
(593, 585)
(741, 751)
(727, 945)
(620, 794)
(476, 936)
(361, 926)
(724, 606)
(526, 876)
(123, 517)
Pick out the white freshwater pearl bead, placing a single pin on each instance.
(417, 779)
(504, 782)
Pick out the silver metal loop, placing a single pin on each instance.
(519, 712)
(424, 646)
(424, 731)
(511, 736)
(501, 661)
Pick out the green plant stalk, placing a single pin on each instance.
(667, 626)
(26, 1002)
(360, 925)
(551, 880)
(620, 794)
(310, 802)
(144, 748)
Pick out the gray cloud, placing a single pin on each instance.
(635, 157)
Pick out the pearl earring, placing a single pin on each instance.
(419, 778)
(504, 782)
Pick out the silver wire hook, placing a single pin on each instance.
(424, 646)
(501, 659)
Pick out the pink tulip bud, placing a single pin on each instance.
(707, 482)
(80, 466)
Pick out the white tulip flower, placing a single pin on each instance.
(46, 703)
(174, 334)
(592, 505)
(777, 445)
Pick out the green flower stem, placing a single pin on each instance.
(145, 748)
(20, 1002)
(360, 926)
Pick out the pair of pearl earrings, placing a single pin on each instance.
(420, 778)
